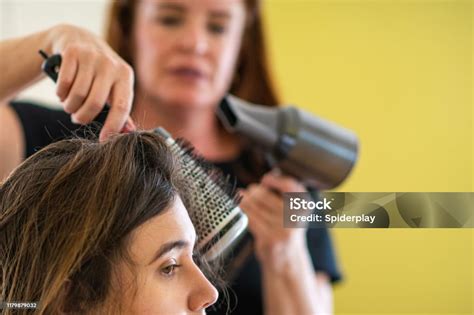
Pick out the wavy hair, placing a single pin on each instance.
(67, 213)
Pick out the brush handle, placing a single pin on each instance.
(51, 65)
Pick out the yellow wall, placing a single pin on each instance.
(399, 73)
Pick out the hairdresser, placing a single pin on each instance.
(185, 55)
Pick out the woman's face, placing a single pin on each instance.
(166, 279)
(185, 50)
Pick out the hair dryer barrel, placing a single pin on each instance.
(316, 151)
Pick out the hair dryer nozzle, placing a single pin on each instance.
(257, 122)
(316, 151)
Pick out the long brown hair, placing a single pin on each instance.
(66, 215)
(252, 79)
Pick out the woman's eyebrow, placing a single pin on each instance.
(170, 6)
(167, 247)
(220, 14)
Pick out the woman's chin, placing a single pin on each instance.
(189, 99)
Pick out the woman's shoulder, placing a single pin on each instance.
(30, 112)
(43, 125)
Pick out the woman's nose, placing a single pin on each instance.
(203, 294)
(194, 38)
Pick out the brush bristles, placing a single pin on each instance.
(213, 197)
(222, 182)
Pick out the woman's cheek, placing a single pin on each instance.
(225, 72)
(156, 297)
(227, 54)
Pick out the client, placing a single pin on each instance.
(100, 228)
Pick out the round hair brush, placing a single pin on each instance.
(213, 205)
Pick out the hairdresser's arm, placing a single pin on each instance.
(290, 283)
(11, 141)
(91, 73)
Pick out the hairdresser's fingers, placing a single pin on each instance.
(120, 103)
(254, 225)
(267, 198)
(96, 99)
(67, 74)
(129, 126)
(282, 183)
(261, 228)
(80, 88)
(257, 228)
(270, 238)
(270, 212)
(254, 210)
(269, 203)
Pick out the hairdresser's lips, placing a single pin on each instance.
(189, 73)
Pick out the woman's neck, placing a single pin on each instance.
(199, 126)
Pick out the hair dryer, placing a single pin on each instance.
(315, 151)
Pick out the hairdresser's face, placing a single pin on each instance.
(185, 50)
(167, 279)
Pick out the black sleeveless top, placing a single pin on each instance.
(42, 126)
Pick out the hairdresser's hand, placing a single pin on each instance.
(91, 75)
(263, 204)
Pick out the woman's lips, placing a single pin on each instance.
(188, 73)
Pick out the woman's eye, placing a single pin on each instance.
(170, 269)
(216, 28)
(168, 20)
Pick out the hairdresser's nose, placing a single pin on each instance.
(203, 293)
(194, 38)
